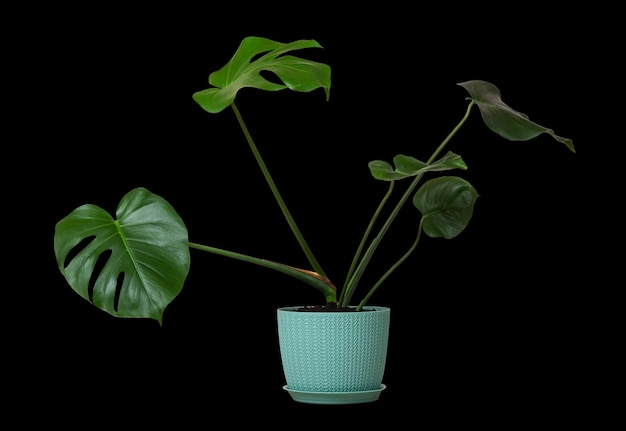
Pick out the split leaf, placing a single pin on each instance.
(130, 267)
(257, 54)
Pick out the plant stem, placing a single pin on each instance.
(366, 235)
(392, 268)
(292, 224)
(321, 283)
(383, 230)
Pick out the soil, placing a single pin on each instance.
(331, 306)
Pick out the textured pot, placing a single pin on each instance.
(333, 357)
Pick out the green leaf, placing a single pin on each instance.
(447, 205)
(503, 120)
(242, 71)
(146, 249)
(406, 166)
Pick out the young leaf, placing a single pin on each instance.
(242, 71)
(146, 249)
(503, 120)
(447, 205)
(407, 166)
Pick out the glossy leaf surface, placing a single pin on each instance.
(447, 205)
(504, 120)
(255, 55)
(130, 267)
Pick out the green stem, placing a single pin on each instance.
(292, 224)
(319, 282)
(366, 235)
(392, 269)
(383, 230)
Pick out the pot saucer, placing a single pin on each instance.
(335, 397)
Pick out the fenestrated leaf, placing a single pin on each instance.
(242, 71)
(447, 205)
(146, 249)
(502, 119)
(407, 166)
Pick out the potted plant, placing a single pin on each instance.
(134, 265)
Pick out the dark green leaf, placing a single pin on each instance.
(406, 166)
(447, 205)
(147, 247)
(503, 120)
(242, 71)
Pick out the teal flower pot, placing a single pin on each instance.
(333, 357)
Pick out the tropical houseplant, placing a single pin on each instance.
(134, 265)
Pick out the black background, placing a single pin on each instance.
(487, 328)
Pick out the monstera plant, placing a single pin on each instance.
(134, 263)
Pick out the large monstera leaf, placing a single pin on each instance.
(130, 267)
(256, 55)
(502, 119)
(446, 204)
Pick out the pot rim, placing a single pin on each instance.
(366, 307)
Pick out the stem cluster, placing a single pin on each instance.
(360, 260)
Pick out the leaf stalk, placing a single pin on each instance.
(281, 203)
(347, 293)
